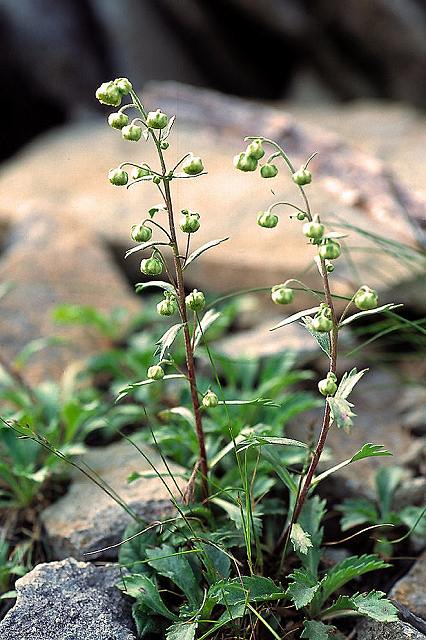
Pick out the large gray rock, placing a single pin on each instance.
(53, 260)
(69, 600)
(410, 590)
(371, 630)
(87, 519)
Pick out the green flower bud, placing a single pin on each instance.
(366, 298)
(118, 120)
(267, 219)
(141, 233)
(195, 300)
(243, 162)
(139, 172)
(281, 294)
(189, 222)
(330, 250)
(302, 177)
(328, 386)
(164, 145)
(157, 119)
(108, 94)
(301, 216)
(118, 177)
(322, 323)
(152, 266)
(156, 179)
(255, 149)
(168, 306)
(155, 372)
(329, 266)
(210, 399)
(132, 132)
(269, 171)
(123, 85)
(193, 165)
(314, 230)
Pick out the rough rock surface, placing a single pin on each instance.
(354, 184)
(69, 600)
(410, 590)
(371, 630)
(52, 260)
(87, 519)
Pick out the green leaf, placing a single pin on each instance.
(357, 511)
(370, 312)
(174, 565)
(182, 631)
(341, 412)
(302, 588)
(415, 519)
(183, 412)
(206, 321)
(135, 385)
(140, 286)
(347, 570)
(144, 590)
(237, 515)
(310, 520)
(323, 339)
(246, 589)
(315, 630)
(370, 450)
(205, 247)
(259, 441)
(387, 480)
(133, 552)
(371, 605)
(348, 381)
(167, 339)
(300, 539)
(143, 246)
(294, 317)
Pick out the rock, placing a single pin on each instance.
(413, 409)
(51, 261)
(69, 600)
(410, 590)
(87, 519)
(411, 491)
(361, 187)
(372, 630)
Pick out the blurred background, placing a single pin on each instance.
(55, 52)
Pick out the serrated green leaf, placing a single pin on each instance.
(315, 630)
(246, 589)
(370, 450)
(370, 312)
(323, 339)
(300, 539)
(294, 317)
(140, 286)
(182, 631)
(205, 247)
(144, 590)
(167, 339)
(371, 605)
(357, 511)
(206, 321)
(302, 587)
(347, 570)
(174, 565)
(348, 381)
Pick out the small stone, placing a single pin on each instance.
(87, 519)
(69, 600)
(372, 630)
(410, 590)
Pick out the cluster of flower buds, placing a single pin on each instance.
(328, 386)
(248, 160)
(366, 298)
(281, 294)
(152, 266)
(141, 232)
(189, 221)
(323, 321)
(195, 300)
(210, 400)
(168, 306)
(111, 93)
